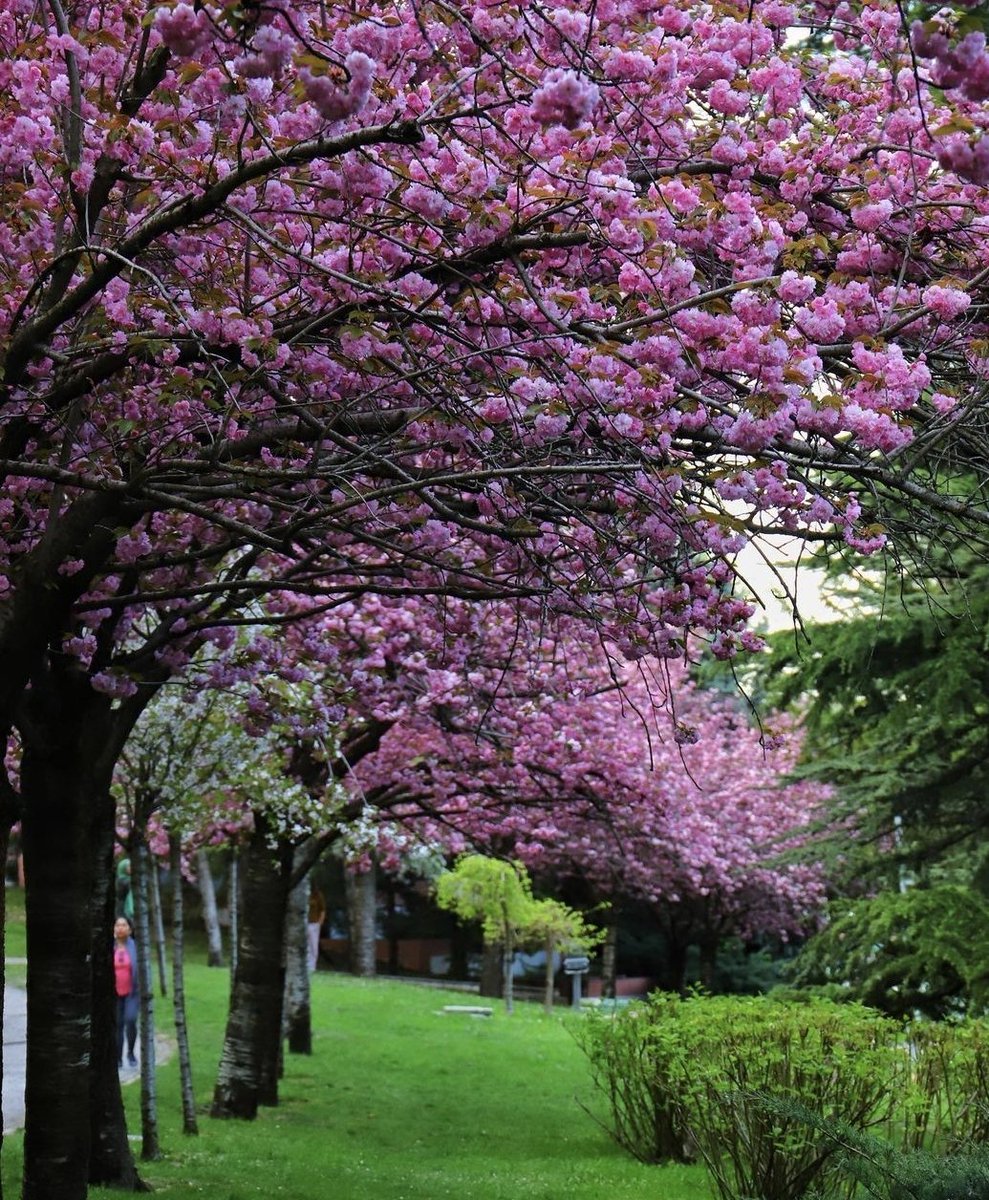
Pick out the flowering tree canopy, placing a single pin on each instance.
(688, 810)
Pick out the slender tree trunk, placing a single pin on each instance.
(492, 970)
(189, 1123)
(233, 906)
(158, 924)
(609, 962)
(111, 1161)
(298, 1018)
(142, 935)
(548, 984)
(248, 1073)
(361, 897)
(211, 918)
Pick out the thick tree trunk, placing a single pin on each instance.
(211, 917)
(609, 962)
(361, 899)
(189, 1123)
(68, 751)
(111, 1161)
(58, 872)
(248, 1073)
(298, 1020)
(142, 935)
(492, 970)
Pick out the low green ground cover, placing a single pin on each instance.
(399, 1103)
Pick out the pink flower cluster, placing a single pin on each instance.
(946, 302)
(335, 103)
(564, 98)
(184, 31)
(269, 54)
(962, 67)
(967, 157)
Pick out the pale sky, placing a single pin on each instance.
(770, 588)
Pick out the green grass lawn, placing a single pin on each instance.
(397, 1102)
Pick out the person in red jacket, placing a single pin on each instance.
(125, 982)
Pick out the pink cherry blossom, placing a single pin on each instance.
(564, 98)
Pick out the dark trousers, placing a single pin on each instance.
(126, 1024)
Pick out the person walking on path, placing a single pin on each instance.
(125, 984)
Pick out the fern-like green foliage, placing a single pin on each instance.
(895, 699)
(883, 1171)
(924, 950)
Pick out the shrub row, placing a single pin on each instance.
(752, 1085)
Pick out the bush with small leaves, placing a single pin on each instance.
(948, 1108)
(687, 1076)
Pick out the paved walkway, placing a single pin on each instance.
(15, 1048)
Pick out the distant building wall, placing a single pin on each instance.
(414, 954)
(625, 985)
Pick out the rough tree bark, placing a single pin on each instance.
(211, 917)
(361, 897)
(233, 906)
(141, 867)
(189, 1123)
(297, 1010)
(69, 745)
(248, 1073)
(158, 926)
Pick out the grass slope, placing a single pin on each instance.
(398, 1102)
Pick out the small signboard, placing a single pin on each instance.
(576, 965)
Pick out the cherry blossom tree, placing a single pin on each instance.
(687, 807)
(490, 301)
